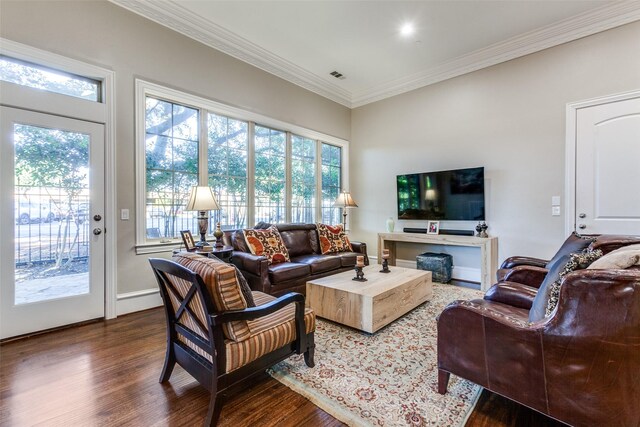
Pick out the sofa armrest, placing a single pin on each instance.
(254, 264)
(515, 261)
(361, 248)
(527, 275)
(512, 293)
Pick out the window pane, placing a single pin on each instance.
(171, 167)
(227, 160)
(270, 197)
(331, 183)
(38, 77)
(303, 179)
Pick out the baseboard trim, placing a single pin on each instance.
(466, 274)
(131, 302)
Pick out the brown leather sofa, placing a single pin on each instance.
(307, 262)
(580, 365)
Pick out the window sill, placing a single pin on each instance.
(157, 247)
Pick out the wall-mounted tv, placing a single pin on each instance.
(454, 195)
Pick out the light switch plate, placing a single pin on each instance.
(555, 200)
(555, 210)
(124, 214)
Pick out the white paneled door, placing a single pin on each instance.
(51, 221)
(607, 168)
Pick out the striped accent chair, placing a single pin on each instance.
(212, 333)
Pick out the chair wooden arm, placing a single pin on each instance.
(253, 313)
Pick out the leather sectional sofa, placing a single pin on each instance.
(579, 364)
(307, 261)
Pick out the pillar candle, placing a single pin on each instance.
(360, 261)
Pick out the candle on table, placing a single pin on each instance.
(385, 253)
(360, 261)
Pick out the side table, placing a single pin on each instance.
(224, 253)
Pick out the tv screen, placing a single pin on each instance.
(455, 195)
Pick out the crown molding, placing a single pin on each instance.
(583, 25)
(169, 14)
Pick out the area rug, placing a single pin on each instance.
(389, 378)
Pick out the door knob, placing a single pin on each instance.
(97, 217)
(97, 231)
(582, 226)
(582, 215)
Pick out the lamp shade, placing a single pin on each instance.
(345, 200)
(202, 199)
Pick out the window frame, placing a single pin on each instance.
(144, 88)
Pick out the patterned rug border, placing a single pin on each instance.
(339, 411)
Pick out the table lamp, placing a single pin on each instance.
(344, 201)
(203, 201)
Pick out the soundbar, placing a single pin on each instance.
(456, 232)
(442, 231)
(415, 230)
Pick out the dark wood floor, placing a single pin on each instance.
(106, 374)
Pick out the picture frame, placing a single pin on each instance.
(433, 227)
(187, 239)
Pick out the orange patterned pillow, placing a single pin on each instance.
(267, 243)
(333, 239)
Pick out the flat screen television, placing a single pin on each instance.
(454, 195)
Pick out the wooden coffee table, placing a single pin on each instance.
(369, 305)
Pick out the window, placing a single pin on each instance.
(270, 175)
(260, 169)
(227, 164)
(303, 179)
(171, 166)
(39, 77)
(331, 183)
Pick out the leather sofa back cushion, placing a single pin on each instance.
(267, 243)
(574, 243)
(333, 239)
(298, 242)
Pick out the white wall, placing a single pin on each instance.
(101, 33)
(509, 118)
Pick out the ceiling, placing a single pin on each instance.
(304, 41)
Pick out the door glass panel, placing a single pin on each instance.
(51, 208)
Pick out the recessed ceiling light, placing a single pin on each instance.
(407, 29)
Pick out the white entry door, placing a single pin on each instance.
(51, 221)
(607, 179)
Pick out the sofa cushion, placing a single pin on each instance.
(333, 239)
(287, 271)
(298, 242)
(223, 286)
(267, 243)
(625, 257)
(574, 243)
(319, 263)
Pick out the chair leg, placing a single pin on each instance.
(215, 407)
(308, 357)
(169, 363)
(443, 381)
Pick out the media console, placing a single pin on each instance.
(488, 249)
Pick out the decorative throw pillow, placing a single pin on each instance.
(333, 239)
(578, 261)
(267, 243)
(625, 257)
